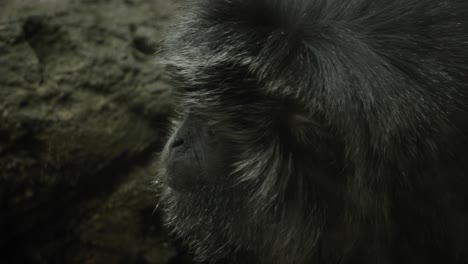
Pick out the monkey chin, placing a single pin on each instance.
(202, 223)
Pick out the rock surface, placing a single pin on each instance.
(83, 110)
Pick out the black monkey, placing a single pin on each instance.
(320, 131)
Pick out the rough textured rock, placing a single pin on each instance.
(83, 109)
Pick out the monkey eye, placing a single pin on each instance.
(300, 120)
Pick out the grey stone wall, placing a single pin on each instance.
(83, 111)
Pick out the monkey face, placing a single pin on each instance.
(243, 164)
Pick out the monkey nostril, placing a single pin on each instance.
(177, 143)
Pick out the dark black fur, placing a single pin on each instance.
(321, 131)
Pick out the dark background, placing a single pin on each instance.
(83, 112)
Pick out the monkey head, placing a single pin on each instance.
(318, 130)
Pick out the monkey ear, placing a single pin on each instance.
(307, 125)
